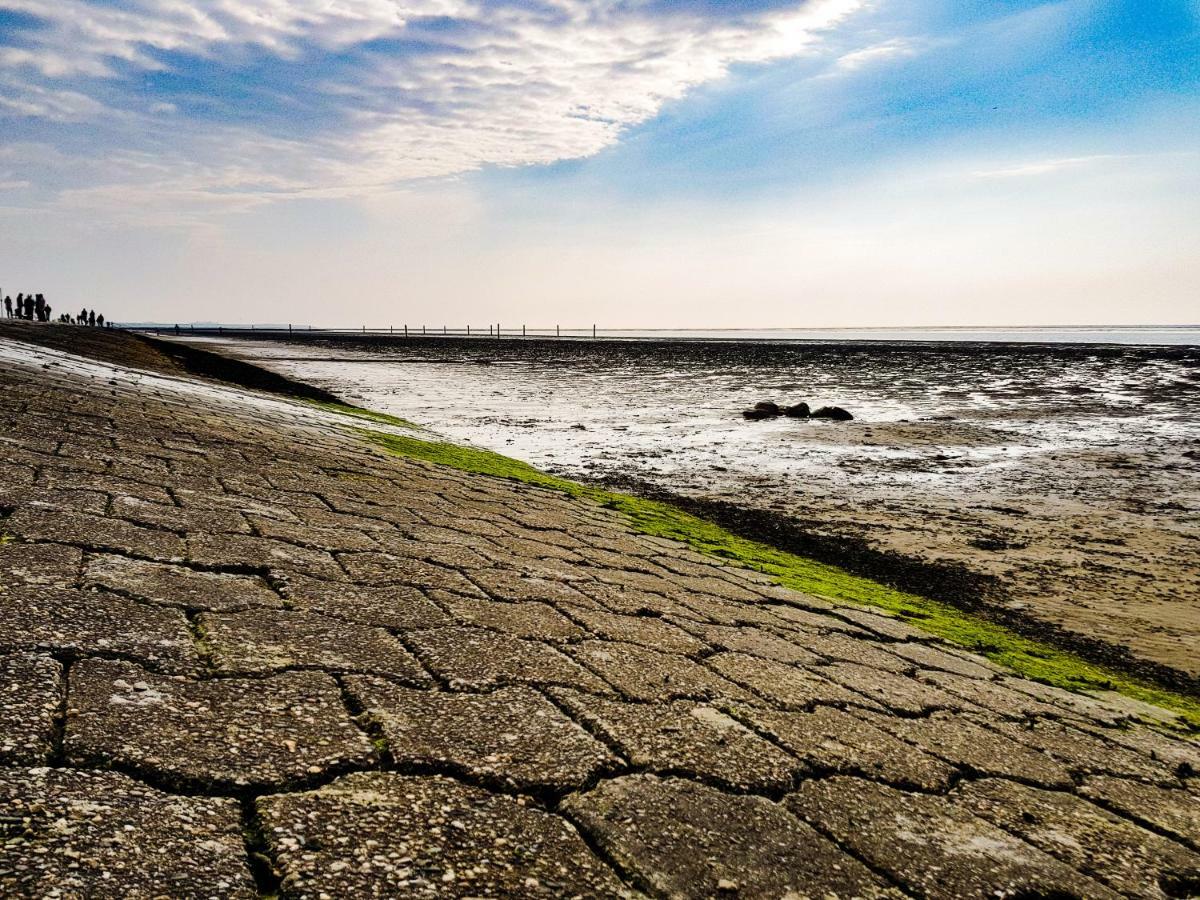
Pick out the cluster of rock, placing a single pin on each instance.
(765, 409)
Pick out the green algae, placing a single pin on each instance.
(370, 415)
(1030, 658)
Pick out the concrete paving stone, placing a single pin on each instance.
(102, 835)
(315, 537)
(388, 568)
(91, 622)
(49, 565)
(99, 532)
(477, 659)
(711, 586)
(832, 740)
(1133, 709)
(933, 847)
(994, 696)
(648, 631)
(505, 584)
(178, 586)
(884, 625)
(610, 572)
(69, 500)
(328, 518)
(1085, 753)
(507, 548)
(225, 732)
(1179, 754)
(899, 693)
(153, 515)
(454, 556)
(433, 534)
(554, 570)
(683, 839)
(1082, 706)
(644, 674)
(260, 553)
(1174, 812)
(30, 694)
(70, 479)
(205, 498)
(928, 657)
(863, 651)
(385, 835)
(725, 612)
(789, 687)
(521, 619)
(632, 602)
(685, 737)
(754, 641)
(259, 641)
(810, 619)
(397, 606)
(981, 750)
(513, 735)
(1127, 858)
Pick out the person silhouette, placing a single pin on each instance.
(92, 318)
(8, 306)
(100, 321)
(49, 310)
(20, 305)
(82, 320)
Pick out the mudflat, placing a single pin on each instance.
(1056, 486)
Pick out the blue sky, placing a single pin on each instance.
(836, 162)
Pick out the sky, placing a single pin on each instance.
(631, 163)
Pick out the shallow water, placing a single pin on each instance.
(924, 417)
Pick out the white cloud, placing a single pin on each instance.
(1036, 168)
(492, 83)
(857, 59)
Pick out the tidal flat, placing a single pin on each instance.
(1056, 486)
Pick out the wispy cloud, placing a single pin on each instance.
(1040, 167)
(370, 93)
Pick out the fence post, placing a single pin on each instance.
(289, 327)
(522, 331)
(468, 331)
(406, 331)
(557, 331)
(593, 332)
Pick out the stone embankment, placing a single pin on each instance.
(244, 653)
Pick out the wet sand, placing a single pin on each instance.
(1056, 486)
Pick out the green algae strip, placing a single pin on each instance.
(1033, 659)
(370, 415)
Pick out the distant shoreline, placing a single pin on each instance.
(1080, 336)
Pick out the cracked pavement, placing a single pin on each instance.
(243, 653)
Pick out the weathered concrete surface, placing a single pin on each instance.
(324, 671)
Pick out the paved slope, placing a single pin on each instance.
(241, 652)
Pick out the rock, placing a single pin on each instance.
(836, 413)
(764, 409)
(797, 411)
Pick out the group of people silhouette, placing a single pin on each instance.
(34, 308)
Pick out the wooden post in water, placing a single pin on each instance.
(593, 332)
(406, 331)
(289, 327)
(558, 331)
